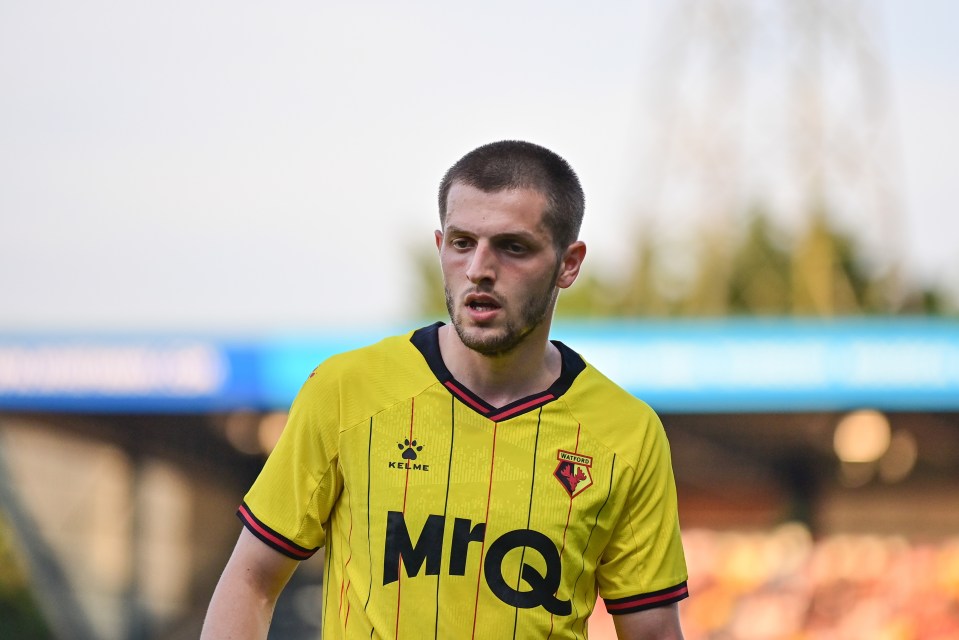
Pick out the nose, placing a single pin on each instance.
(482, 267)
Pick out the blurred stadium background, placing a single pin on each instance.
(760, 293)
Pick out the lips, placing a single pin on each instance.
(482, 302)
(482, 307)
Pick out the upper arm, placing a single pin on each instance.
(659, 623)
(243, 602)
(262, 568)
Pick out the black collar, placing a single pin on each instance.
(428, 342)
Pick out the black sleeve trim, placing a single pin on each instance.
(273, 539)
(641, 602)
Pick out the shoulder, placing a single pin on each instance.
(387, 354)
(362, 381)
(621, 421)
(593, 393)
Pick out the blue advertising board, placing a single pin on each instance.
(677, 367)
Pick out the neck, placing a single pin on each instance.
(530, 367)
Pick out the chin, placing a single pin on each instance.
(490, 341)
(487, 341)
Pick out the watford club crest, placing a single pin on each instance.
(573, 472)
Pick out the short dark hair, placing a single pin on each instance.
(514, 164)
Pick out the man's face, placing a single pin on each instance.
(500, 267)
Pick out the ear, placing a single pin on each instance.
(439, 239)
(571, 262)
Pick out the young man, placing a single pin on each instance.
(473, 479)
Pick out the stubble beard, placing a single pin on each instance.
(489, 343)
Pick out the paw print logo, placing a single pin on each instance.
(409, 449)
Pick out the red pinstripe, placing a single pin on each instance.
(344, 583)
(489, 493)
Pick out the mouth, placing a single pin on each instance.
(482, 306)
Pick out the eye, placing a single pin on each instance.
(460, 243)
(515, 247)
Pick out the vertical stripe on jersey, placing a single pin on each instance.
(529, 515)
(569, 513)
(489, 494)
(326, 581)
(446, 502)
(369, 544)
(582, 568)
(399, 560)
(344, 582)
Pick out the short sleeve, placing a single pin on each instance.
(643, 565)
(290, 502)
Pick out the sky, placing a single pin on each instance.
(247, 167)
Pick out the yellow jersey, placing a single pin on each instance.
(443, 516)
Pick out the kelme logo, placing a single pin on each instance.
(410, 451)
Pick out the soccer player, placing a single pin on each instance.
(472, 479)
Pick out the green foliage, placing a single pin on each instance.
(432, 302)
(821, 272)
(761, 272)
(759, 278)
